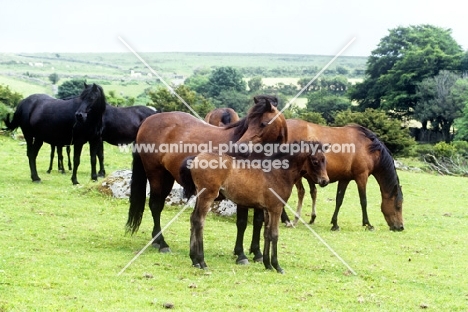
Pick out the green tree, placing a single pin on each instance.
(403, 58)
(163, 100)
(70, 88)
(54, 78)
(327, 104)
(312, 117)
(238, 101)
(389, 131)
(8, 101)
(199, 83)
(225, 79)
(116, 100)
(442, 99)
(255, 84)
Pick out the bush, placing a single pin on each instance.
(389, 131)
(443, 149)
(461, 147)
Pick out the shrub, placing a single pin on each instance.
(443, 149)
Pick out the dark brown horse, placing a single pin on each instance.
(221, 117)
(261, 188)
(164, 140)
(354, 153)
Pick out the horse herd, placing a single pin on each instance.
(87, 118)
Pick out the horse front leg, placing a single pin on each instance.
(361, 184)
(100, 155)
(340, 192)
(313, 194)
(270, 251)
(197, 222)
(242, 216)
(300, 200)
(52, 154)
(61, 168)
(76, 162)
(94, 146)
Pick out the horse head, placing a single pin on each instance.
(392, 208)
(316, 164)
(93, 104)
(264, 123)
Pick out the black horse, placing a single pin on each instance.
(120, 126)
(76, 121)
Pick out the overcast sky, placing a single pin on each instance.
(279, 26)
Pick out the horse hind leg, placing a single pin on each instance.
(33, 147)
(271, 234)
(61, 168)
(256, 232)
(300, 200)
(161, 185)
(241, 224)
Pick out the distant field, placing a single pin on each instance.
(23, 87)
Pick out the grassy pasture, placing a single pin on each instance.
(63, 245)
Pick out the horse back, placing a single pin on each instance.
(347, 151)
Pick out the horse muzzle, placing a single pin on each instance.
(81, 117)
(397, 228)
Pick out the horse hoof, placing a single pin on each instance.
(37, 181)
(48, 171)
(289, 224)
(242, 262)
(197, 266)
(335, 228)
(155, 245)
(369, 227)
(280, 271)
(165, 250)
(258, 259)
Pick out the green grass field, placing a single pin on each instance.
(63, 245)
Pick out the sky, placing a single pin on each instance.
(312, 27)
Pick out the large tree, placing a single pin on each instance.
(403, 58)
(226, 79)
(442, 99)
(71, 88)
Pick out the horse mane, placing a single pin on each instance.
(386, 162)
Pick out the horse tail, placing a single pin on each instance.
(226, 118)
(137, 194)
(15, 122)
(186, 177)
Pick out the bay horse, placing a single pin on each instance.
(369, 157)
(354, 153)
(221, 117)
(75, 121)
(259, 189)
(185, 134)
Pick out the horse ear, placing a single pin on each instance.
(94, 87)
(85, 85)
(255, 100)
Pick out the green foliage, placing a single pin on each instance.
(389, 131)
(71, 88)
(255, 84)
(8, 101)
(443, 149)
(225, 79)
(402, 59)
(163, 100)
(198, 83)
(238, 101)
(313, 117)
(115, 100)
(327, 104)
(461, 147)
(442, 99)
(54, 78)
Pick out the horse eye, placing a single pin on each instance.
(263, 124)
